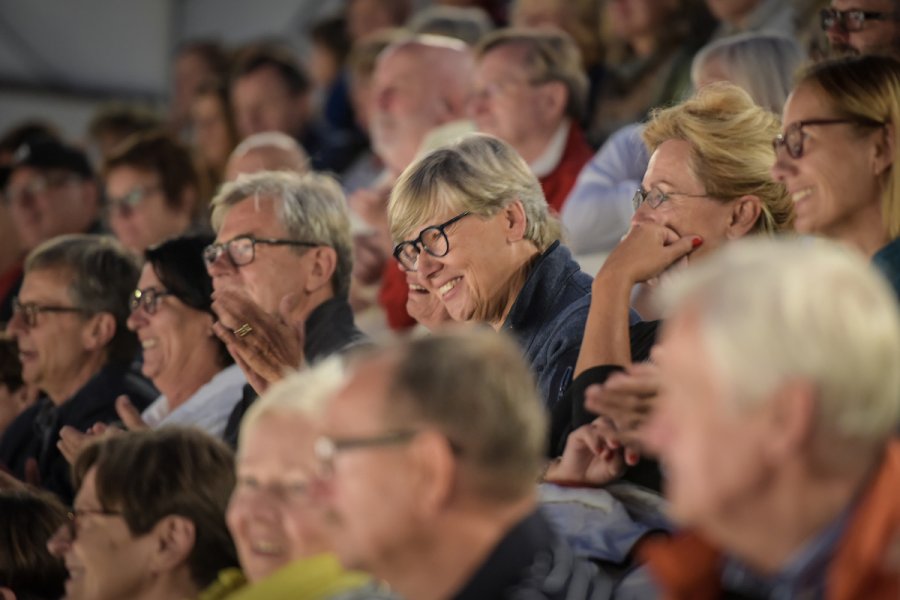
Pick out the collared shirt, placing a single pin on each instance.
(549, 159)
(35, 432)
(802, 579)
(208, 408)
(548, 317)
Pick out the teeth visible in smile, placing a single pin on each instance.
(449, 285)
(798, 196)
(151, 343)
(266, 547)
(416, 288)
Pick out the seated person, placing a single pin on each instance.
(283, 541)
(70, 324)
(777, 423)
(172, 316)
(700, 192)
(28, 571)
(149, 517)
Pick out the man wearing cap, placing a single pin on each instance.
(50, 191)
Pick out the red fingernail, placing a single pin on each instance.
(697, 241)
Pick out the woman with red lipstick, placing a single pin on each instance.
(701, 189)
(838, 156)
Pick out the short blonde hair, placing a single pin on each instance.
(776, 310)
(480, 174)
(302, 394)
(866, 87)
(731, 148)
(310, 206)
(548, 55)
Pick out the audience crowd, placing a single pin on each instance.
(479, 300)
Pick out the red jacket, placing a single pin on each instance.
(866, 564)
(559, 182)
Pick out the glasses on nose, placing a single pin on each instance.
(242, 249)
(148, 298)
(327, 448)
(29, 311)
(654, 197)
(851, 20)
(793, 137)
(38, 185)
(79, 513)
(125, 205)
(431, 239)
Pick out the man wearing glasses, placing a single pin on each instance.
(50, 191)
(69, 323)
(281, 268)
(428, 465)
(861, 27)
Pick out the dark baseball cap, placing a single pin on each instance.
(47, 153)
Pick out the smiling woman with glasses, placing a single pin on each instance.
(171, 313)
(838, 156)
(473, 229)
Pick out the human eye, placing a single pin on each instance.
(247, 481)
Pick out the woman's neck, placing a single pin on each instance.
(179, 385)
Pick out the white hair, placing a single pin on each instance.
(762, 63)
(292, 156)
(776, 310)
(303, 394)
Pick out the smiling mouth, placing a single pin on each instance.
(266, 548)
(449, 285)
(801, 195)
(147, 344)
(413, 287)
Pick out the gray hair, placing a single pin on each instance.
(302, 394)
(762, 63)
(492, 415)
(772, 311)
(480, 174)
(468, 24)
(311, 207)
(102, 276)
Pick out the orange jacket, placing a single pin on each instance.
(866, 563)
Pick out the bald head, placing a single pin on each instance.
(268, 151)
(418, 84)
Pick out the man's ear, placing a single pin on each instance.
(174, 538)
(515, 221)
(324, 264)
(188, 201)
(90, 196)
(98, 331)
(745, 212)
(884, 149)
(791, 419)
(436, 472)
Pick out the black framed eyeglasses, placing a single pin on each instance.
(75, 515)
(148, 298)
(242, 249)
(432, 239)
(793, 137)
(29, 311)
(852, 20)
(654, 197)
(327, 448)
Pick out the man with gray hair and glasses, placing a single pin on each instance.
(427, 467)
(281, 269)
(861, 27)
